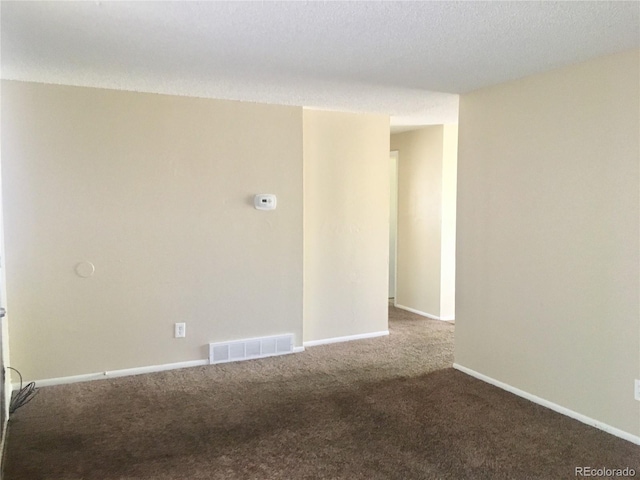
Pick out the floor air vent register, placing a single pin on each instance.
(250, 348)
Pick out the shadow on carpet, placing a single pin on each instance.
(442, 424)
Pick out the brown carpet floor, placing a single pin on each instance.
(384, 408)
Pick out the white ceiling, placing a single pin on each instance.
(389, 57)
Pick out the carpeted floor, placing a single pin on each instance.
(384, 408)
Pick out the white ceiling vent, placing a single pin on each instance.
(250, 348)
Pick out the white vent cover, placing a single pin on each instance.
(250, 348)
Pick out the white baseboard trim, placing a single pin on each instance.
(424, 314)
(348, 338)
(47, 382)
(552, 406)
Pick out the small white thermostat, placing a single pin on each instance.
(265, 201)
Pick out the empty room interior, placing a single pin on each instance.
(304, 240)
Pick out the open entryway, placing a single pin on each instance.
(422, 222)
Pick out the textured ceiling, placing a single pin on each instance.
(387, 57)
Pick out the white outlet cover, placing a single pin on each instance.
(637, 390)
(180, 330)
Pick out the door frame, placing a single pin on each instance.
(5, 376)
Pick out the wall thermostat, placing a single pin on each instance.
(265, 201)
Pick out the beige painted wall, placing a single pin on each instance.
(548, 230)
(346, 224)
(393, 221)
(448, 244)
(156, 191)
(426, 219)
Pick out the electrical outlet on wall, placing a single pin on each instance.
(180, 330)
(637, 390)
